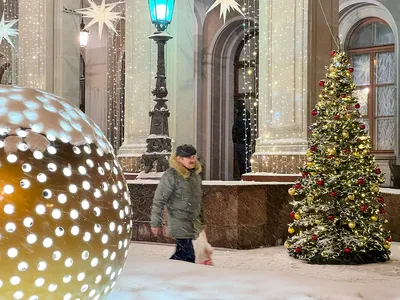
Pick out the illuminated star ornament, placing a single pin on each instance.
(101, 14)
(6, 30)
(225, 7)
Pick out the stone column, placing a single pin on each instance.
(294, 42)
(140, 60)
(48, 54)
(180, 74)
(35, 61)
(66, 51)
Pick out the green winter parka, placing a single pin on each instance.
(180, 191)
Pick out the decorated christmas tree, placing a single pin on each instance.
(338, 212)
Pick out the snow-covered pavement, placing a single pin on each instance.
(267, 273)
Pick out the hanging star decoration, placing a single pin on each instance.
(225, 7)
(6, 30)
(101, 14)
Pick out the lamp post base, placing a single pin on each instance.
(158, 149)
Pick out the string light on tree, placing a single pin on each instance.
(342, 211)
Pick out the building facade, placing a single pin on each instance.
(271, 60)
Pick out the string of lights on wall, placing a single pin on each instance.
(116, 84)
(250, 74)
(285, 88)
(32, 44)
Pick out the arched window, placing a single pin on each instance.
(371, 47)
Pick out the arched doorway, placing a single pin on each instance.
(245, 125)
(82, 84)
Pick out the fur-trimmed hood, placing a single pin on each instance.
(173, 163)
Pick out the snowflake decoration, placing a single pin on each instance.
(101, 14)
(6, 30)
(225, 7)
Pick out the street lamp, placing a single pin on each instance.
(84, 35)
(158, 147)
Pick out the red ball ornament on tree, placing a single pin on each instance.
(314, 237)
(297, 185)
(292, 214)
(305, 174)
(378, 171)
(313, 148)
(351, 70)
(363, 207)
(333, 53)
(320, 182)
(331, 156)
(333, 194)
(360, 180)
(389, 239)
(345, 151)
(347, 250)
(321, 83)
(336, 117)
(357, 105)
(314, 112)
(362, 126)
(331, 218)
(298, 250)
(380, 200)
(382, 211)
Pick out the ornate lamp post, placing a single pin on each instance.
(159, 143)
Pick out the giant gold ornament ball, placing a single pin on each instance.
(65, 220)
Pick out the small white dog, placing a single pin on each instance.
(203, 250)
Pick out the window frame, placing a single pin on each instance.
(372, 51)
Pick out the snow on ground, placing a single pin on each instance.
(267, 273)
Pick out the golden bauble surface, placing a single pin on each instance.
(351, 225)
(65, 209)
(290, 230)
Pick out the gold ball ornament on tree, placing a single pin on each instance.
(332, 151)
(387, 245)
(350, 197)
(286, 244)
(374, 218)
(310, 197)
(291, 230)
(297, 216)
(292, 191)
(65, 205)
(352, 225)
(375, 188)
(345, 134)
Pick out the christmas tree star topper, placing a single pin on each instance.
(6, 30)
(101, 14)
(225, 7)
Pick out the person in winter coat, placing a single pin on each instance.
(180, 191)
